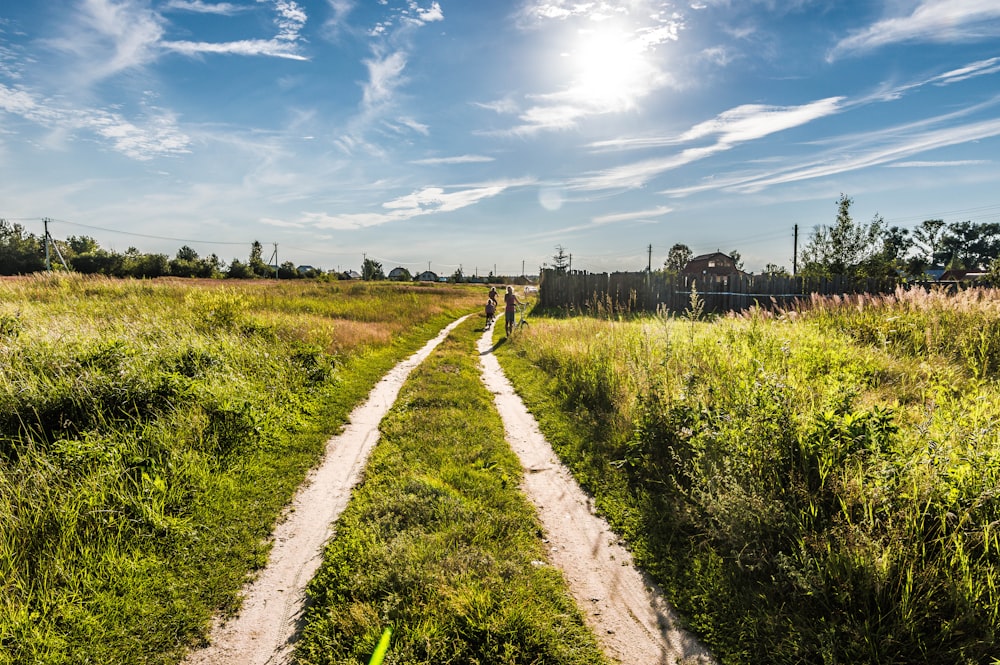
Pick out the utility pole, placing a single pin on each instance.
(649, 259)
(274, 259)
(49, 242)
(48, 260)
(795, 253)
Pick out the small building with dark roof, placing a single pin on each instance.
(715, 264)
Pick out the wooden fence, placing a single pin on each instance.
(648, 292)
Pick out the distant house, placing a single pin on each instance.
(715, 264)
(427, 276)
(399, 274)
(957, 275)
(350, 274)
(304, 270)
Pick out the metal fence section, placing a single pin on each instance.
(649, 292)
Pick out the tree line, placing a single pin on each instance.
(876, 250)
(22, 252)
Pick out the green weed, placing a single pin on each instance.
(815, 485)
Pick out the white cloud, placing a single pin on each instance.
(659, 211)
(106, 37)
(158, 135)
(754, 121)
(930, 21)
(638, 174)
(458, 159)
(250, 47)
(384, 76)
(737, 125)
(429, 14)
(916, 164)
(289, 20)
(426, 201)
(876, 149)
(201, 7)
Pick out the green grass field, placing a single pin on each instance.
(151, 433)
(813, 486)
(818, 486)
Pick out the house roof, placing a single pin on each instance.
(715, 263)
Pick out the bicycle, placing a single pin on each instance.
(521, 320)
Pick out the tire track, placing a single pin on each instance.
(625, 609)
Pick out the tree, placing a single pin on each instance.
(737, 259)
(371, 270)
(457, 277)
(561, 260)
(287, 270)
(149, 265)
(776, 270)
(972, 245)
(20, 252)
(927, 235)
(846, 248)
(82, 245)
(185, 253)
(678, 257)
(238, 270)
(256, 263)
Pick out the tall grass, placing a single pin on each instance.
(150, 433)
(815, 485)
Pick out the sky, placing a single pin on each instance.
(484, 135)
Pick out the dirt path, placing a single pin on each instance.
(269, 620)
(630, 617)
(627, 612)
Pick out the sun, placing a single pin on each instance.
(610, 68)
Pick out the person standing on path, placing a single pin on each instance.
(510, 309)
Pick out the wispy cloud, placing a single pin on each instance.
(930, 21)
(732, 127)
(658, 211)
(249, 47)
(385, 74)
(156, 135)
(425, 201)
(864, 151)
(935, 164)
(105, 38)
(457, 159)
(200, 7)
(289, 20)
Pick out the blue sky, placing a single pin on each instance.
(484, 134)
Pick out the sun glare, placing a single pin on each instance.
(611, 70)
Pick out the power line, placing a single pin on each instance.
(144, 235)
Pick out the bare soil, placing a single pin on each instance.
(270, 618)
(626, 610)
(628, 613)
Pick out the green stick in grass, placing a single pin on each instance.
(381, 648)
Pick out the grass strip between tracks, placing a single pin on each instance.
(440, 543)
